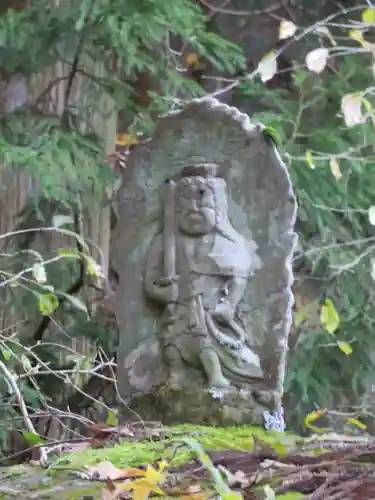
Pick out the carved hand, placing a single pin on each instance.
(224, 312)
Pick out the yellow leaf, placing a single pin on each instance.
(142, 490)
(112, 419)
(162, 465)
(154, 476)
(368, 16)
(192, 59)
(335, 168)
(357, 423)
(356, 35)
(314, 415)
(345, 347)
(329, 317)
(309, 159)
(311, 417)
(287, 29)
(93, 269)
(267, 66)
(126, 140)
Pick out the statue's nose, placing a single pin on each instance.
(194, 204)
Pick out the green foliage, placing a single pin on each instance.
(58, 159)
(67, 160)
(335, 237)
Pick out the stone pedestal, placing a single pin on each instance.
(202, 406)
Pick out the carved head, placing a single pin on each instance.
(201, 201)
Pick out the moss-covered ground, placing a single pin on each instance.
(59, 480)
(131, 454)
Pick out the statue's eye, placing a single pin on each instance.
(186, 191)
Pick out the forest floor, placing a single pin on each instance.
(198, 463)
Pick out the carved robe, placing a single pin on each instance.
(212, 272)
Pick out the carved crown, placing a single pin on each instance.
(200, 169)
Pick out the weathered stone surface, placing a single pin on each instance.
(204, 301)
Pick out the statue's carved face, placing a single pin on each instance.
(196, 205)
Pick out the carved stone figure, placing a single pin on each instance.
(204, 264)
(198, 269)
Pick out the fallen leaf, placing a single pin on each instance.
(287, 29)
(317, 59)
(153, 475)
(142, 489)
(115, 491)
(335, 168)
(267, 66)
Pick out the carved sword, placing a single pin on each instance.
(169, 234)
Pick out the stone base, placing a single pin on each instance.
(201, 406)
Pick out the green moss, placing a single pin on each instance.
(131, 454)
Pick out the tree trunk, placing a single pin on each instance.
(16, 187)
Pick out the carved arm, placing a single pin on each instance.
(158, 287)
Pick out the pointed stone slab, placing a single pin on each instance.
(261, 208)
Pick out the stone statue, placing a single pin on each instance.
(198, 269)
(204, 302)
